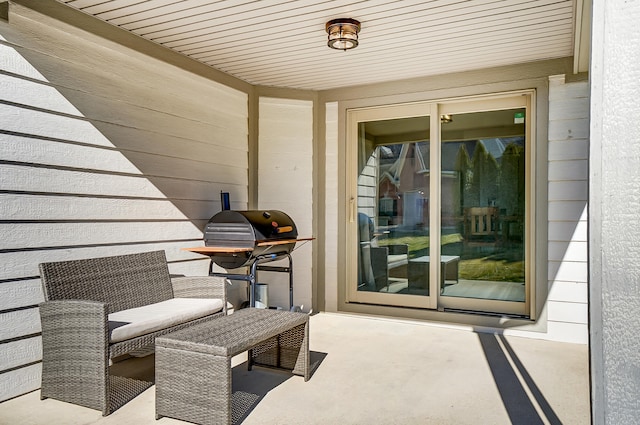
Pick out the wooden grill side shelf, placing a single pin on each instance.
(256, 266)
(207, 250)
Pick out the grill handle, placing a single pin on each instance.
(284, 229)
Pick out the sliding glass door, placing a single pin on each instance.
(458, 173)
(484, 190)
(391, 195)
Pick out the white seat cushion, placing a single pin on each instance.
(127, 324)
(397, 260)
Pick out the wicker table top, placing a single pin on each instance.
(233, 334)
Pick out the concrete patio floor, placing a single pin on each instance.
(379, 371)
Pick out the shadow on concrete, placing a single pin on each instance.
(250, 387)
(141, 368)
(520, 395)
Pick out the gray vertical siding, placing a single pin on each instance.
(614, 232)
(103, 151)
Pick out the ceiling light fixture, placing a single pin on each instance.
(343, 33)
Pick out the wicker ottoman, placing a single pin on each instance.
(193, 365)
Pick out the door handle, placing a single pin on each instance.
(352, 209)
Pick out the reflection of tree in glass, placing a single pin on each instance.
(510, 180)
(484, 179)
(463, 168)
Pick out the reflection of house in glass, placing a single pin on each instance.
(475, 173)
(403, 185)
(482, 194)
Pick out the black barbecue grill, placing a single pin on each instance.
(249, 235)
(235, 239)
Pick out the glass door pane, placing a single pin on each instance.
(483, 210)
(393, 210)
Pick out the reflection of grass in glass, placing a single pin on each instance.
(505, 267)
(487, 268)
(417, 243)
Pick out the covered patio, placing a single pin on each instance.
(122, 122)
(380, 371)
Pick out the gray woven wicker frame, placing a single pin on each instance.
(193, 366)
(79, 295)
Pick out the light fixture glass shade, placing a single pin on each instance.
(343, 33)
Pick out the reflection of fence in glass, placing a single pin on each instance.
(493, 176)
(486, 207)
(482, 199)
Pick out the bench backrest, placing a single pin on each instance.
(122, 281)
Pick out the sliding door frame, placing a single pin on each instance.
(434, 109)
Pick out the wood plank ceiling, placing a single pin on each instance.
(283, 43)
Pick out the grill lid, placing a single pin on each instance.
(259, 231)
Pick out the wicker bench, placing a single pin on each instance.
(100, 308)
(193, 366)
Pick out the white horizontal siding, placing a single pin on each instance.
(577, 333)
(45, 152)
(568, 251)
(40, 235)
(577, 91)
(38, 207)
(20, 294)
(368, 187)
(21, 352)
(367, 180)
(35, 179)
(103, 151)
(17, 64)
(18, 323)
(190, 268)
(25, 92)
(561, 232)
(24, 264)
(572, 271)
(567, 312)
(20, 381)
(567, 211)
(569, 170)
(44, 124)
(567, 300)
(569, 149)
(568, 190)
(572, 106)
(571, 292)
